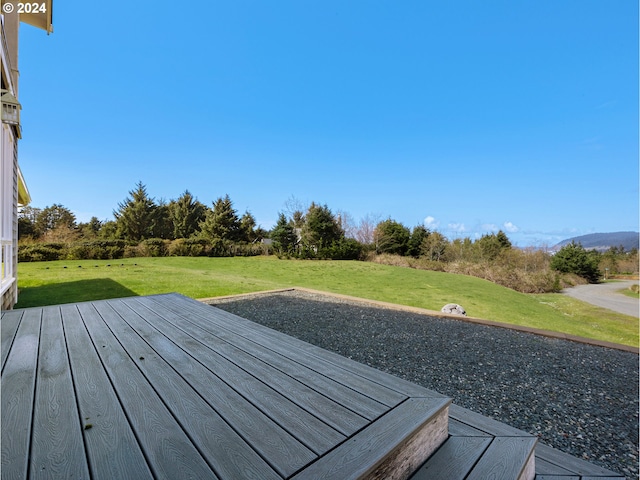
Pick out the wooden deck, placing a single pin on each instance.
(167, 387)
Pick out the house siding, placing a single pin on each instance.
(9, 226)
(9, 178)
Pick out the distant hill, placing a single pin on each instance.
(603, 241)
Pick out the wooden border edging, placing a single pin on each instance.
(434, 313)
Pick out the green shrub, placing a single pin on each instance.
(190, 247)
(132, 251)
(573, 258)
(154, 247)
(220, 248)
(41, 252)
(248, 249)
(96, 250)
(343, 249)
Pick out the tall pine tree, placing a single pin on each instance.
(284, 236)
(135, 217)
(185, 214)
(222, 222)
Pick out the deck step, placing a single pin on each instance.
(392, 448)
(481, 458)
(557, 465)
(479, 447)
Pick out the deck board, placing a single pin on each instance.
(504, 456)
(184, 385)
(577, 466)
(311, 431)
(18, 391)
(366, 454)
(363, 395)
(57, 447)
(112, 448)
(168, 449)
(231, 363)
(454, 459)
(9, 327)
(308, 350)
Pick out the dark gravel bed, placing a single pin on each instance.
(578, 398)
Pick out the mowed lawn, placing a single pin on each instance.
(49, 283)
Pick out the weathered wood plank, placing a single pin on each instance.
(377, 376)
(310, 395)
(184, 384)
(18, 391)
(8, 328)
(310, 430)
(602, 477)
(169, 451)
(459, 429)
(556, 477)
(485, 424)
(545, 468)
(57, 446)
(392, 447)
(454, 459)
(354, 392)
(568, 462)
(506, 457)
(112, 449)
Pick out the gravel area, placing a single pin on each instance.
(578, 398)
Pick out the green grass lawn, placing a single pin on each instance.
(48, 283)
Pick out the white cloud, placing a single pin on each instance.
(488, 227)
(457, 227)
(510, 227)
(431, 222)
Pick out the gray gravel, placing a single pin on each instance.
(578, 398)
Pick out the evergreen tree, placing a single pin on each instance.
(185, 215)
(162, 224)
(109, 230)
(135, 217)
(434, 247)
(248, 228)
(298, 219)
(491, 245)
(573, 258)
(418, 235)
(391, 237)
(283, 235)
(55, 216)
(320, 228)
(27, 222)
(503, 240)
(91, 228)
(222, 222)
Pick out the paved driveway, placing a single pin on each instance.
(607, 295)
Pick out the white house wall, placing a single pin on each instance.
(8, 176)
(8, 215)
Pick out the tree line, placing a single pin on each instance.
(143, 226)
(183, 226)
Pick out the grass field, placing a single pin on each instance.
(48, 283)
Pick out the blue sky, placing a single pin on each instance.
(469, 116)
